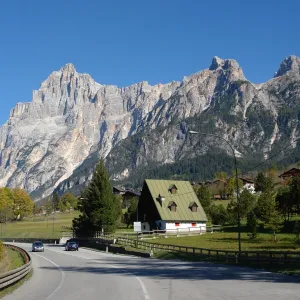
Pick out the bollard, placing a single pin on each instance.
(106, 250)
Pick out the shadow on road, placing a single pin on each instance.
(173, 270)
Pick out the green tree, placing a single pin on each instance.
(66, 202)
(274, 223)
(99, 207)
(61, 206)
(295, 192)
(252, 224)
(232, 212)
(219, 214)
(130, 215)
(247, 203)
(297, 232)
(204, 197)
(48, 207)
(266, 205)
(263, 183)
(285, 202)
(231, 186)
(220, 175)
(55, 199)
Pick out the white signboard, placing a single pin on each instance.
(137, 226)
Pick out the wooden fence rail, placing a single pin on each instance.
(15, 275)
(221, 255)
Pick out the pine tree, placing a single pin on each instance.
(204, 197)
(55, 200)
(99, 206)
(252, 224)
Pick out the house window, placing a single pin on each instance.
(177, 224)
(173, 189)
(194, 224)
(173, 208)
(194, 208)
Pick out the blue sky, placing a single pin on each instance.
(123, 42)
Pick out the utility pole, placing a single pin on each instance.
(236, 182)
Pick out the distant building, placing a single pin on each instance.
(248, 184)
(127, 195)
(294, 172)
(170, 205)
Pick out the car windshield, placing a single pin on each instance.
(38, 244)
(72, 243)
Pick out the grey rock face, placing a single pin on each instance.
(55, 140)
(290, 64)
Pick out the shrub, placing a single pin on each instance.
(2, 249)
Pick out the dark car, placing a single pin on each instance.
(71, 246)
(38, 247)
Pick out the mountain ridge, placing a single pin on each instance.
(72, 119)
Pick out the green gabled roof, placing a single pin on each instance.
(184, 196)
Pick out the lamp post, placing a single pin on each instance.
(236, 181)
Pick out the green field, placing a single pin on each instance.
(228, 241)
(15, 259)
(38, 227)
(223, 202)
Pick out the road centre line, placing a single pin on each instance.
(62, 277)
(144, 289)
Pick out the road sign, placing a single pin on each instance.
(137, 226)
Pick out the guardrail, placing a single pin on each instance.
(15, 275)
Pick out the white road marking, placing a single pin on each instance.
(145, 292)
(62, 276)
(146, 295)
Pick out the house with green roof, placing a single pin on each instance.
(170, 205)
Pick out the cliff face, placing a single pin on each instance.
(55, 140)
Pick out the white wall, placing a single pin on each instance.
(183, 226)
(250, 187)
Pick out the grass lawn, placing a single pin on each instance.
(15, 259)
(228, 241)
(38, 227)
(223, 202)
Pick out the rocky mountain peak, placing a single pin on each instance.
(68, 68)
(289, 64)
(225, 64)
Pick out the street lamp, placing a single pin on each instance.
(236, 180)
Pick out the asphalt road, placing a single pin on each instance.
(89, 275)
